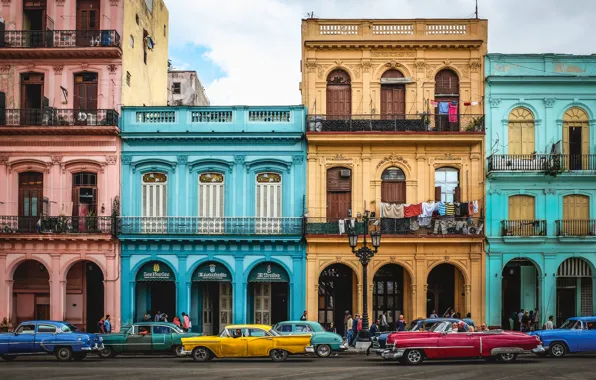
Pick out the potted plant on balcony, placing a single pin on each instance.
(475, 125)
(91, 224)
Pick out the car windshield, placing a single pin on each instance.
(67, 327)
(273, 332)
(437, 327)
(177, 329)
(571, 325)
(412, 326)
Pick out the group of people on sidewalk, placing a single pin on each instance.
(104, 325)
(184, 323)
(526, 321)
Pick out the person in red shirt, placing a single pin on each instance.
(176, 321)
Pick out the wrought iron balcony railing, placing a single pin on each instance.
(50, 116)
(549, 163)
(586, 227)
(523, 228)
(406, 226)
(397, 123)
(191, 225)
(55, 225)
(31, 39)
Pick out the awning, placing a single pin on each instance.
(268, 272)
(212, 271)
(155, 271)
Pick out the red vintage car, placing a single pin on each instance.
(441, 342)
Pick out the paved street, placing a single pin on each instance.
(344, 367)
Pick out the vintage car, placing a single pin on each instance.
(48, 338)
(146, 338)
(414, 347)
(245, 341)
(324, 342)
(575, 335)
(380, 339)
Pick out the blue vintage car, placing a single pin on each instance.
(380, 340)
(48, 338)
(576, 334)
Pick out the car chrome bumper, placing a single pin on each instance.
(342, 347)
(95, 347)
(390, 354)
(309, 349)
(540, 349)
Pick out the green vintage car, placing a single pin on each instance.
(324, 342)
(145, 338)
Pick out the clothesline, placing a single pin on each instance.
(428, 209)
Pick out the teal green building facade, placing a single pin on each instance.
(541, 186)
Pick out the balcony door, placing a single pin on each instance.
(85, 98)
(339, 94)
(393, 95)
(268, 203)
(521, 132)
(211, 203)
(30, 200)
(522, 210)
(32, 99)
(154, 196)
(88, 22)
(447, 97)
(84, 200)
(576, 215)
(576, 138)
(34, 22)
(339, 193)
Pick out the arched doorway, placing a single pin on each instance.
(339, 193)
(389, 295)
(447, 96)
(155, 290)
(336, 290)
(446, 290)
(393, 95)
(84, 295)
(211, 298)
(574, 289)
(268, 294)
(520, 287)
(30, 292)
(339, 94)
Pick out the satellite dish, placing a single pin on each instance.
(82, 116)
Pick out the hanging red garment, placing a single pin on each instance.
(453, 111)
(412, 210)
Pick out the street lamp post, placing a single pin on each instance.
(365, 254)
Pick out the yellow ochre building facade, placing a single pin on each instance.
(395, 118)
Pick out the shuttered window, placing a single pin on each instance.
(211, 203)
(268, 202)
(576, 207)
(521, 132)
(521, 207)
(154, 195)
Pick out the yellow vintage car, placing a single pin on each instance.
(247, 341)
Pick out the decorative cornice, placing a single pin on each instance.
(112, 68)
(448, 157)
(56, 160)
(111, 159)
(297, 160)
(393, 54)
(394, 159)
(339, 157)
(239, 159)
(550, 191)
(4, 69)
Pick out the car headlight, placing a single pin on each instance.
(100, 339)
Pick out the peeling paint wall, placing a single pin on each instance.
(191, 93)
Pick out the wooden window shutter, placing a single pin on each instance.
(76, 192)
(457, 194)
(437, 193)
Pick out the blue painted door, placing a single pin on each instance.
(23, 340)
(44, 338)
(587, 337)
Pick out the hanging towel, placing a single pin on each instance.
(342, 226)
(428, 208)
(392, 210)
(464, 209)
(412, 210)
(352, 222)
(453, 110)
(475, 207)
(443, 108)
(442, 209)
(471, 208)
(449, 209)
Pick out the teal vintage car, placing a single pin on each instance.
(324, 342)
(145, 338)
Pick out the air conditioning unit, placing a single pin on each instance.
(345, 173)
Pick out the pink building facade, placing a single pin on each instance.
(60, 90)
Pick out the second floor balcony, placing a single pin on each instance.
(51, 225)
(27, 120)
(205, 226)
(576, 228)
(523, 228)
(544, 163)
(397, 123)
(24, 44)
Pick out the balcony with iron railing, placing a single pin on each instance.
(206, 226)
(576, 228)
(523, 228)
(28, 120)
(537, 162)
(10, 225)
(60, 44)
(417, 123)
(407, 227)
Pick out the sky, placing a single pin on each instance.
(247, 52)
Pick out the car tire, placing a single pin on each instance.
(63, 354)
(413, 357)
(77, 357)
(106, 353)
(201, 354)
(507, 358)
(278, 355)
(557, 350)
(323, 351)
(8, 358)
(179, 351)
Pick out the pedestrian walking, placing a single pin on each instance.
(384, 323)
(354, 329)
(374, 328)
(185, 322)
(304, 316)
(107, 323)
(176, 321)
(101, 328)
(400, 325)
(349, 325)
(549, 324)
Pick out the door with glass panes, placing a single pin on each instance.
(154, 203)
(268, 203)
(262, 296)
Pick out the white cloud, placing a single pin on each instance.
(257, 42)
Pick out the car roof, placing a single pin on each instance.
(153, 324)
(303, 322)
(264, 327)
(585, 319)
(437, 320)
(47, 322)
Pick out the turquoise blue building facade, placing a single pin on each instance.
(541, 186)
(212, 214)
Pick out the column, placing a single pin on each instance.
(593, 293)
(475, 301)
(126, 192)
(182, 287)
(550, 286)
(57, 290)
(181, 192)
(297, 296)
(239, 194)
(419, 284)
(494, 277)
(127, 291)
(5, 294)
(239, 293)
(312, 289)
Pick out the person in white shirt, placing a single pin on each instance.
(549, 324)
(434, 314)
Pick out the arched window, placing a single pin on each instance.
(154, 195)
(447, 96)
(393, 186)
(447, 185)
(521, 132)
(268, 202)
(393, 94)
(211, 202)
(339, 93)
(576, 139)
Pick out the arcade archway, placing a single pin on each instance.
(211, 298)
(155, 290)
(446, 290)
(84, 295)
(268, 294)
(336, 291)
(30, 292)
